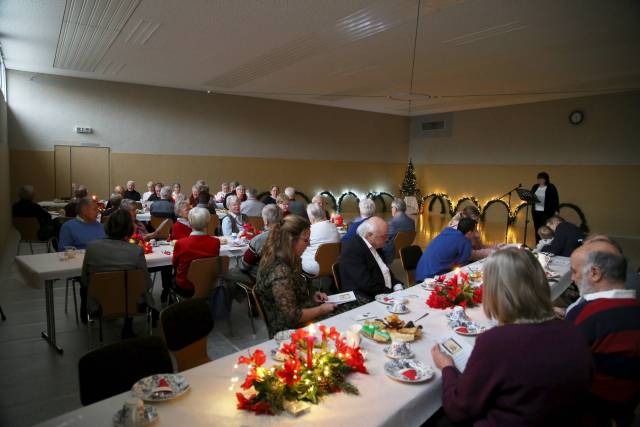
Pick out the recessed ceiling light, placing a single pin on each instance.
(408, 96)
(208, 91)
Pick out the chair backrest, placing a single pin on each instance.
(162, 226)
(403, 239)
(118, 292)
(256, 222)
(104, 219)
(326, 256)
(185, 327)
(263, 313)
(214, 225)
(335, 268)
(204, 273)
(114, 368)
(409, 257)
(27, 227)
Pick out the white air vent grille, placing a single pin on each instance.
(381, 16)
(89, 27)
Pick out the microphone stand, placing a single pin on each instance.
(508, 193)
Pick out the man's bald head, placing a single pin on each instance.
(598, 266)
(374, 230)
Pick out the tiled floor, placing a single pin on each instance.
(36, 383)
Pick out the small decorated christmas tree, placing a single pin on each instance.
(409, 187)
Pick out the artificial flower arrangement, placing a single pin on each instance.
(299, 378)
(248, 232)
(137, 239)
(457, 290)
(337, 219)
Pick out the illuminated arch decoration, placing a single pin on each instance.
(467, 198)
(445, 202)
(380, 196)
(263, 195)
(343, 195)
(304, 196)
(334, 204)
(583, 220)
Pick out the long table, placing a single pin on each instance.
(43, 270)
(382, 401)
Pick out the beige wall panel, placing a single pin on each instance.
(90, 167)
(62, 166)
(34, 168)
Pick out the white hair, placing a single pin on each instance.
(366, 229)
(25, 192)
(165, 192)
(290, 192)
(232, 200)
(315, 212)
(199, 218)
(271, 215)
(180, 205)
(367, 207)
(130, 182)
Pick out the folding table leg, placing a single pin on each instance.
(50, 335)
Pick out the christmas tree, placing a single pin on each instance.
(409, 187)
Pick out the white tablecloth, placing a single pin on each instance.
(382, 401)
(146, 216)
(53, 204)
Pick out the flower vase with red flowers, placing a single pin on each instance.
(455, 290)
(297, 379)
(137, 239)
(248, 232)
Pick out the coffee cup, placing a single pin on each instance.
(133, 411)
(399, 307)
(398, 348)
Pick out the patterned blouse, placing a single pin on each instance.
(283, 294)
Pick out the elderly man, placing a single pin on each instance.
(83, 229)
(252, 206)
(367, 208)
(157, 188)
(113, 205)
(234, 220)
(567, 237)
(71, 209)
(25, 207)
(322, 231)
(398, 222)
(362, 268)
(319, 200)
(451, 248)
(296, 207)
(163, 208)
(608, 315)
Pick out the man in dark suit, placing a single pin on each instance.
(399, 222)
(567, 237)
(362, 268)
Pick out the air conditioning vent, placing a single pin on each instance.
(433, 125)
(430, 126)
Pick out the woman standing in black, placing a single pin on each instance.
(548, 202)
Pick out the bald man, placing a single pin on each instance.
(362, 266)
(608, 315)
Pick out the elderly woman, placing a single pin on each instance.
(149, 192)
(273, 194)
(114, 253)
(283, 292)
(234, 220)
(220, 195)
(367, 208)
(138, 227)
(182, 227)
(163, 208)
(177, 190)
(283, 204)
(531, 369)
(322, 231)
(197, 245)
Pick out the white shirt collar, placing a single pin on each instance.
(198, 233)
(383, 267)
(184, 222)
(612, 293)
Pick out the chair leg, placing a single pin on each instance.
(75, 300)
(66, 296)
(2, 314)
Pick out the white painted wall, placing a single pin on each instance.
(43, 110)
(540, 133)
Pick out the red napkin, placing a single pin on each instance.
(462, 330)
(410, 373)
(163, 383)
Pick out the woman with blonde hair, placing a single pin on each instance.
(283, 292)
(531, 369)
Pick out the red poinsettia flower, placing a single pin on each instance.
(243, 402)
(248, 381)
(262, 407)
(289, 371)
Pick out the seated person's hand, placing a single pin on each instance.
(320, 297)
(440, 358)
(327, 308)
(560, 312)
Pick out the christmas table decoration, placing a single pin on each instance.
(456, 290)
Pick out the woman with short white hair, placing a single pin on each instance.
(322, 231)
(545, 380)
(163, 208)
(182, 227)
(234, 221)
(197, 245)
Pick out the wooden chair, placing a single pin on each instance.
(335, 268)
(256, 222)
(402, 240)
(247, 286)
(409, 257)
(185, 327)
(204, 274)
(162, 227)
(117, 293)
(327, 255)
(28, 228)
(214, 225)
(113, 369)
(263, 313)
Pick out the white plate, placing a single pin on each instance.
(428, 284)
(478, 331)
(150, 415)
(388, 299)
(277, 356)
(390, 310)
(144, 389)
(409, 355)
(395, 369)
